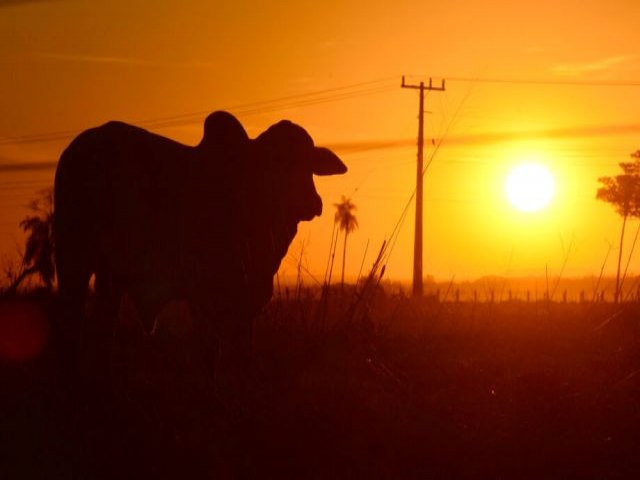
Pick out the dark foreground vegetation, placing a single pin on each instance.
(403, 389)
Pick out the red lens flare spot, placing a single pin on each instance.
(23, 331)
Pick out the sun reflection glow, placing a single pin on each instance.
(530, 187)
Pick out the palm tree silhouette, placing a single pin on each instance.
(347, 222)
(38, 253)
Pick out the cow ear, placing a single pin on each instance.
(325, 162)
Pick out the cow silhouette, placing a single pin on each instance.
(163, 221)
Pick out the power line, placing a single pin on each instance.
(308, 99)
(387, 249)
(560, 83)
(264, 106)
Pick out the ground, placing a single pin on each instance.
(401, 389)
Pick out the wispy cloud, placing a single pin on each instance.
(26, 166)
(588, 131)
(575, 69)
(9, 3)
(103, 59)
(494, 137)
(485, 138)
(95, 59)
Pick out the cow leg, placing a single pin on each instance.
(150, 295)
(100, 331)
(70, 319)
(69, 328)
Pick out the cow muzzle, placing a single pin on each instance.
(311, 208)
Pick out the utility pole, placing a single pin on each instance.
(417, 243)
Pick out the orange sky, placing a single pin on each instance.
(68, 65)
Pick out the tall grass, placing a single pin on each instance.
(381, 386)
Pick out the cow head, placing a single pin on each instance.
(290, 159)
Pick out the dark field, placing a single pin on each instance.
(404, 389)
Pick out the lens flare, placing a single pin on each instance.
(23, 331)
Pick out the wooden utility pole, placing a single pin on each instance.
(417, 244)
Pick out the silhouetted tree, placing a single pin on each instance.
(38, 252)
(347, 223)
(623, 192)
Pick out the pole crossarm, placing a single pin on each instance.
(417, 244)
(430, 86)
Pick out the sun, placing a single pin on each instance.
(530, 187)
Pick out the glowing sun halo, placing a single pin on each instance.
(530, 187)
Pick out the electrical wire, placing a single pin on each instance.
(259, 107)
(555, 83)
